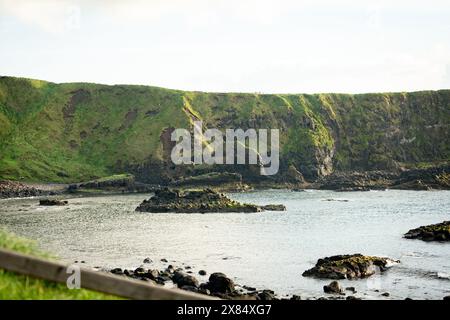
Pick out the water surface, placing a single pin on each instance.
(264, 250)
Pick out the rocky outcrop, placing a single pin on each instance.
(53, 202)
(225, 181)
(437, 177)
(11, 189)
(274, 207)
(348, 267)
(434, 232)
(173, 200)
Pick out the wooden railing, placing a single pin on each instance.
(93, 280)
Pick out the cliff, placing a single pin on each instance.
(80, 131)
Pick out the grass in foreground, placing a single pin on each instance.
(19, 287)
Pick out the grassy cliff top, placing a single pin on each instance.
(82, 131)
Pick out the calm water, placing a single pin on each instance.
(265, 250)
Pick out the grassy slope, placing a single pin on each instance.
(14, 286)
(79, 131)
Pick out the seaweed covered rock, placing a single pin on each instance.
(348, 266)
(207, 200)
(434, 232)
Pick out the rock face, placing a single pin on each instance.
(434, 232)
(321, 133)
(53, 202)
(173, 200)
(413, 179)
(348, 267)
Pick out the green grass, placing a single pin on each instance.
(112, 129)
(19, 287)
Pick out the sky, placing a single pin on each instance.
(267, 46)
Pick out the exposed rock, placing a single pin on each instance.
(217, 180)
(274, 207)
(446, 298)
(351, 289)
(385, 294)
(52, 202)
(333, 287)
(266, 295)
(437, 177)
(173, 200)
(182, 279)
(116, 271)
(202, 272)
(434, 232)
(12, 189)
(147, 260)
(348, 267)
(220, 283)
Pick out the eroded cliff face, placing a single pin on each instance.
(79, 131)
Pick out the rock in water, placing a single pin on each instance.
(53, 202)
(333, 287)
(274, 207)
(173, 200)
(434, 232)
(348, 266)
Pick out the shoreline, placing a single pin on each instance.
(432, 178)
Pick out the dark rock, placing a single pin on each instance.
(117, 271)
(352, 298)
(148, 260)
(266, 295)
(164, 260)
(447, 298)
(333, 287)
(295, 297)
(348, 267)
(351, 289)
(52, 202)
(152, 274)
(274, 207)
(207, 200)
(220, 283)
(385, 294)
(202, 272)
(434, 232)
(139, 270)
(182, 279)
(128, 273)
(249, 288)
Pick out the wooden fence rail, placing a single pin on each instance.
(94, 280)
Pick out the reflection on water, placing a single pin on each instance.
(265, 250)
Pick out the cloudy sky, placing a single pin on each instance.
(272, 46)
